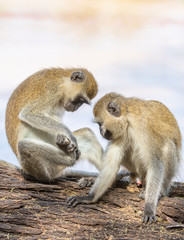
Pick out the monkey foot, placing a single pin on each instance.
(67, 145)
(86, 182)
(72, 201)
(62, 140)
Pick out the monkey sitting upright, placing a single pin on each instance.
(43, 145)
(145, 138)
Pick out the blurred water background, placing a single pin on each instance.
(134, 47)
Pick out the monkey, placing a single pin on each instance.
(145, 138)
(43, 144)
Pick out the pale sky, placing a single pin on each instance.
(131, 47)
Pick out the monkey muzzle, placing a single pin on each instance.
(73, 105)
(107, 134)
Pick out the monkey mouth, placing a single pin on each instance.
(108, 135)
(73, 104)
(70, 107)
(108, 138)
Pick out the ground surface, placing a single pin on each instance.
(38, 211)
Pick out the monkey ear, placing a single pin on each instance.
(77, 76)
(114, 109)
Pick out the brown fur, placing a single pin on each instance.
(145, 138)
(45, 85)
(149, 142)
(151, 114)
(44, 145)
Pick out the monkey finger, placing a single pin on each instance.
(62, 140)
(153, 219)
(149, 219)
(86, 182)
(71, 148)
(145, 219)
(77, 154)
(72, 201)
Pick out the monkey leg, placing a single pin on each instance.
(86, 182)
(154, 180)
(41, 160)
(171, 157)
(89, 146)
(166, 186)
(91, 150)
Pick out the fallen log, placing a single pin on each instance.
(30, 210)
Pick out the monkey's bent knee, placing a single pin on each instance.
(85, 133)
(22, 146)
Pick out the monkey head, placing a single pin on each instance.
(110, 115)
(80, 87)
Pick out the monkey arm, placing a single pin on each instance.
(112, 162)
(64, 138)
(44, 122)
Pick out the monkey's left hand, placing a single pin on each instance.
(68, 146)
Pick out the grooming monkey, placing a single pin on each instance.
(144, 138)
(43, 145)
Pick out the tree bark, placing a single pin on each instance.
(30, 210)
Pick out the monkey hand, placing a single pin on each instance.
(68, 146)
(74, 200)
(149, 216)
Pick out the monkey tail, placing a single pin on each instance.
(68, 172)
(78, 173)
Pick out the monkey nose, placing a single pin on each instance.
(108, 135)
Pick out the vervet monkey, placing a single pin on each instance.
(145, 138)
(43, 145)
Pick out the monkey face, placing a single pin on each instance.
(109, 116)
(73, 105)
(78, 90)
(110, 129)
(104, 132)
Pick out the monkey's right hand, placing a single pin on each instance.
(68, 146)
(74, 200)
